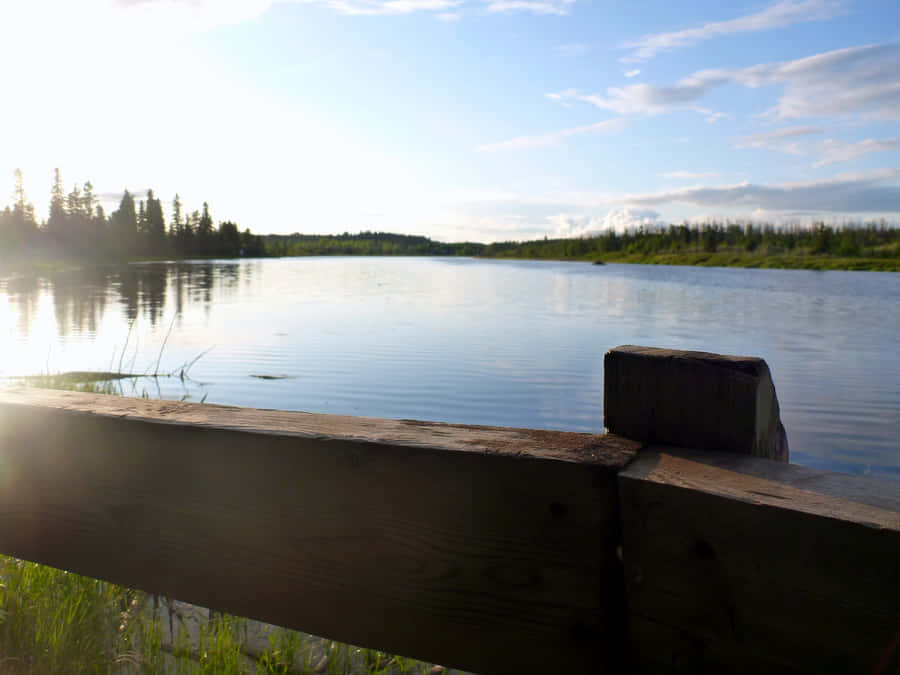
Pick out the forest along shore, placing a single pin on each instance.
(78, 231)
(850, 247)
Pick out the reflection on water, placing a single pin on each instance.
(80, 296)
(489, 342)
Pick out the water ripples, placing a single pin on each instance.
(485, 342)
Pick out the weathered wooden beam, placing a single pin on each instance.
(739, 565)
(483, 548)
(693, 400)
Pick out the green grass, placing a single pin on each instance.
(768, 261)
(52, 621)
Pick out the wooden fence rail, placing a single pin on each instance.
(491, 549)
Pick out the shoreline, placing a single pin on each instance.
(819, 263)
(718, 259)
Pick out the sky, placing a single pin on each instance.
(479, 120)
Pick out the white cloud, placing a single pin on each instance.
(777, 15)
(871, 192)
(778, 140)
(564, 97)
(688, 175)
(855, 81)
(555, 137)
(711, 115)
(837, 151)
(578, 225)
(449, 16)
(633, 73)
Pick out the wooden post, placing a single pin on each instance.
(739, 565)
(693, 400)
(735, 564)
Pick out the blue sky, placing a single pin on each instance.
(461, 119)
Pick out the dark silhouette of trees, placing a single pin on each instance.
(56, 223)
(204, 227)
(18, 228)
(123, 226)
(77, 226)
(229, 240)
(155, 226)
(851, 241)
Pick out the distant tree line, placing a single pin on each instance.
(851, 241)
(365, 243)
(78, 226)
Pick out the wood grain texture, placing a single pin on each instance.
(602, 449)
(740, 565)
(488, 549)
(693, 399)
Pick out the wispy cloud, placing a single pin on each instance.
(871, 192)
(632, 73)
(855, 81)
(689, 175)
(555, 137)
(778, 15)
(780, 140)
(565, 97)
(711, 116)
(838, 151)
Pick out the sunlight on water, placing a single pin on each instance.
(460, 340)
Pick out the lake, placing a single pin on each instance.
(513, 343)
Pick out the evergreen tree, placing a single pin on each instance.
(156, 224)
(204, 237)
(17, 225)
(73, 203)
(205, 224)
(176, 216)
(229, 240)
(23, 210)
(56, 223)
(142, 218)
(123, 225)
(88, 201)
(184, 233)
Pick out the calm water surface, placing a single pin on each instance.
(460, 340)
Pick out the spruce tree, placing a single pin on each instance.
(205, 242)
(56, 223)
(176, 216)
(123, 224)
(156, 224)
(23, 211)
